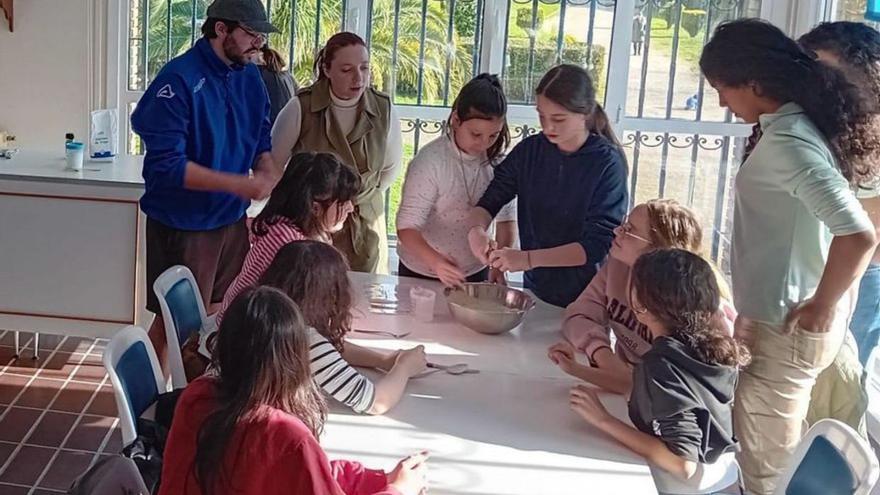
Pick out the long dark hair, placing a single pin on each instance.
(262, 357)
(483, 98)
(753, 51)
(315, 276)
(333, 45)
(273, 60)
(857, 46)
(310, 179)
(572, 88)
(680, 289)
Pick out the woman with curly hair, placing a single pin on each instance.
(854, 48)
(683, 388)
(800, 237)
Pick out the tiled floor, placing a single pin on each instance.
(57, 413)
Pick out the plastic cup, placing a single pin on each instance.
(422, 300)
(73, 153)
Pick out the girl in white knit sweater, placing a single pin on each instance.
(443, 183)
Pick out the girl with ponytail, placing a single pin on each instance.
(570, 184)
(444, 181)
(683, 388)
(800, 237)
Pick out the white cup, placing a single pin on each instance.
(422, 300)
(73, 153)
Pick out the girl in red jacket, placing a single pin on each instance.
(253, 427)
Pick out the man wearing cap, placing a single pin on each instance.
(204, 121)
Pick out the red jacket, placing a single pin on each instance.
(274, 455)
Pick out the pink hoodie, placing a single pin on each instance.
(604, 307)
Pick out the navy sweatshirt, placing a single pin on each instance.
(562, 198)
(202, 110)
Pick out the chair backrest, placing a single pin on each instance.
(722, 476)
(183, 313)
(872, 387)
(831, 459)
(135, 374)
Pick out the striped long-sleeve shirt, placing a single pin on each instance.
(336, 377)
(261, 255)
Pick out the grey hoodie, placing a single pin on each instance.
(685, 402)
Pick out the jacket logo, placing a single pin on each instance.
(199, 85)
(165, 92)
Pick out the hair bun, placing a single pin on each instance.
(492, 79)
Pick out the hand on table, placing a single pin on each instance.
(585, 401)
(410, 477)
(562, 355)
(414, 361)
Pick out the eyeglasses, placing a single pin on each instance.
(255, 36)
(627, 229)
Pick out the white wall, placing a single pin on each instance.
(46, 71)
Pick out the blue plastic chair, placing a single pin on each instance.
(183, 313)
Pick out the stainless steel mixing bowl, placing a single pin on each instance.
(488, 321)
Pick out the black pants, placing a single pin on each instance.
(403, 271)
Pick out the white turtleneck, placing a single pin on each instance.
(286, 131)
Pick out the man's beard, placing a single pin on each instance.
(234, 54)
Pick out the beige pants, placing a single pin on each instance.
(773, 395)
(839, 392)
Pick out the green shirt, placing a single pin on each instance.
(790, 202)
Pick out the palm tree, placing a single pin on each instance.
(172, 25)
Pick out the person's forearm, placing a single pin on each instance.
(872, 207)
(389, 389)
(847, 259)
(606, 379)
(649, 447)
(505, 234)
(265, 163)
(416, 244)
(479, 217)
(572, 254)
(201, 178)
(365, 357)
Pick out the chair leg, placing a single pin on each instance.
(15, 338)
(36, 346)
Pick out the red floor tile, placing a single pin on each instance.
(66, 468)
(104, 403)
(13, 490)
(6, 449)
(17, 422)
(10, 387)
(89, 433)
(114, 445)
(52, 429)
(90, 371)
(61, 365)
(27, 465)
(39, 393)
(74, 397)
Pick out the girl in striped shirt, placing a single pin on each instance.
(312, 201)
(315, 276)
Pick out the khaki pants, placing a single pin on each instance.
(773, 395)
(839, 392)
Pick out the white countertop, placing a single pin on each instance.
(49, 166)
(505, 431)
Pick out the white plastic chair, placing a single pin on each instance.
(183, 313)
(832, 459)
(722, 476)
(137, 378)
(872, 386)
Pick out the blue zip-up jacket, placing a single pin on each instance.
(562, 198)
(202, 110)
